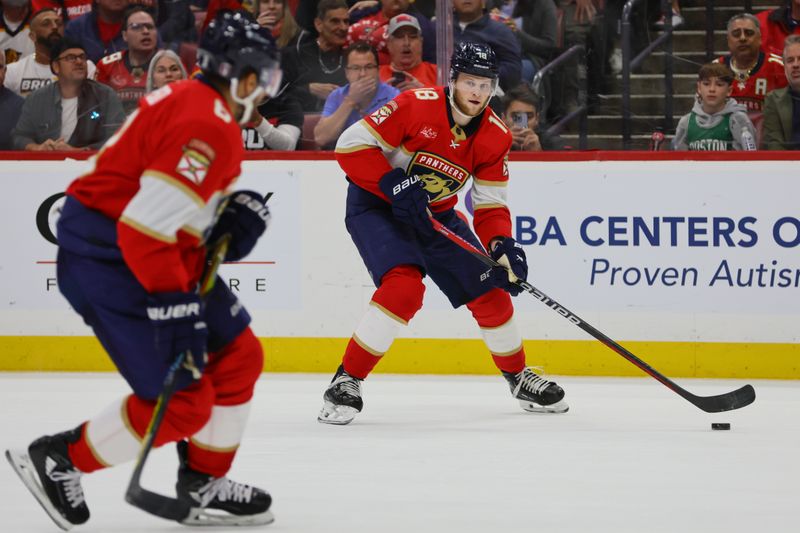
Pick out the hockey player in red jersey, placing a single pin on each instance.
(133, 238)
(411, 156)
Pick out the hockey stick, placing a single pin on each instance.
(152, 502)
(710, 404)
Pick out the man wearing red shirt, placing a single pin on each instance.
(406, 69)
(755, 72)
(126, 71)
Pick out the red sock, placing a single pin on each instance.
(357, 361)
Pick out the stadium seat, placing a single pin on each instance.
(188, 54)
(307, 136)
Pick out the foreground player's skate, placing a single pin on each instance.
(49, 474)
(536, 394)
(342, 399)
(218, 501)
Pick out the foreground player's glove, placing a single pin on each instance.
(245, 218)
(511, 256)
(178, 321)
(409, 199)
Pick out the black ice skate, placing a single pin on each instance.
(218, 501)
(342, 399)
(49, 474)
(536, 394)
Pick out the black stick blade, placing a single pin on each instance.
(726, 402)
(157, 504)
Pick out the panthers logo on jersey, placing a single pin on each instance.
(440, 177)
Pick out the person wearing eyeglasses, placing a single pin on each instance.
(72, 113)
(363, 94)
(33, 71)
(100, 30)
(755, 72)
(126, 71)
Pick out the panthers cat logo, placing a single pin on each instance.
(441, 178)
(439, 187)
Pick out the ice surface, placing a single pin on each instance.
(442, 454)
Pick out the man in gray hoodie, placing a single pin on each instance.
(717, 122)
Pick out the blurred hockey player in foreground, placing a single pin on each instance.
(133, 239)
(408, 157)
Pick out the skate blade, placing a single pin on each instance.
(556, 408)
(21, 463)
(207, 517)
(338, 415)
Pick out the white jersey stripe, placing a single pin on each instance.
(162, 206)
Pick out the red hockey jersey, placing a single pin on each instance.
(416, 132)
(129, 82)
(767, 75)
(162, 176)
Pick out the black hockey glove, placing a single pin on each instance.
(510, 254)
(245, 218)
(178, 321)
(409, 199)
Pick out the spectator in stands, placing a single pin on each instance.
(10, 108)
(313, 69)
(522, 117)
(535, 25)
(778, 24)
(126, 71)
(33, 71)
(165, 67)
(100, 30)
(677, 18)
(755, 72)
(66, 9)
(363, 94)
(472, 23)
(277, 125)
(376, 15)
(717, 122)
(406, 69)
(14, 19)
(276, 16)
(72, 113)
(782, 106)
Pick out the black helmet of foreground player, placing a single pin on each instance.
(473, 78)
(232, 47)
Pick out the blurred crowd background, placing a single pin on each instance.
(574, 74)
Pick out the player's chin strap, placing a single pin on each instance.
(248, 102)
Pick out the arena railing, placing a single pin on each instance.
(581, 111)
(629, 64)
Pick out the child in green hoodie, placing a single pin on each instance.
(717, 122)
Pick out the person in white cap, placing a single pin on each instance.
(406, 70)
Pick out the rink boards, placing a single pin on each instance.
(692, 265)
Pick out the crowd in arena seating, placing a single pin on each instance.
(70, 70)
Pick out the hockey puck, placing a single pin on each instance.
(720, 425)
